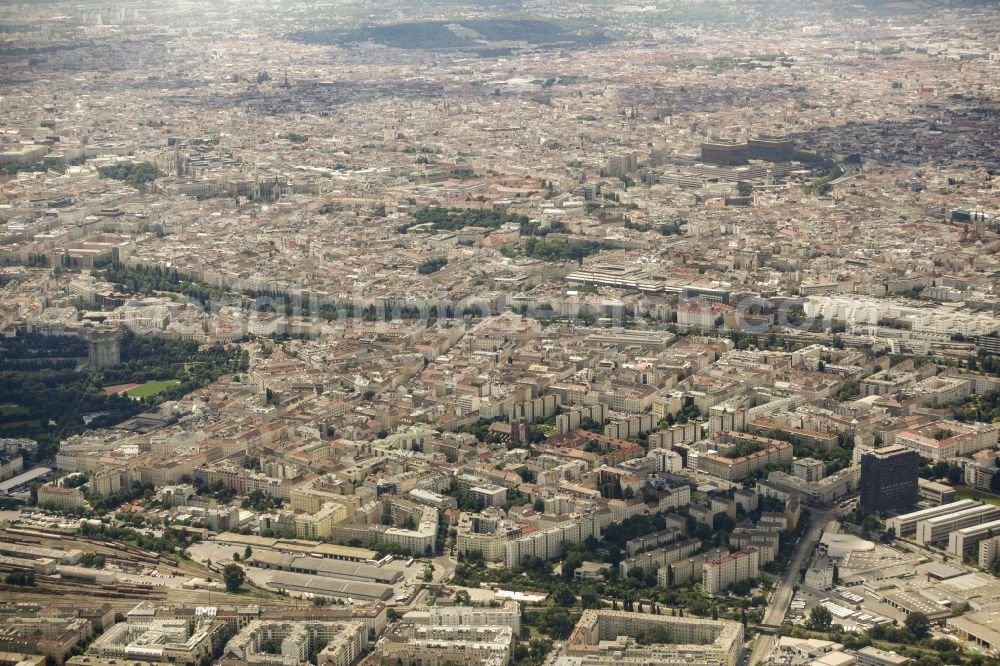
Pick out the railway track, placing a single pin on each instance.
(75, 591)
(67, 592)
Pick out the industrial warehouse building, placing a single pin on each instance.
(317, 566)
(324, 586)
(299, 546)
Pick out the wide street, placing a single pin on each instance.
(782, 597)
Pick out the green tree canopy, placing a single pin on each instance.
(820, 619)
(918, 624)
(233, 575)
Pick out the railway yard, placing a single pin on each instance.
(130, 574)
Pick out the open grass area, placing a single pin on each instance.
(15, 426)
(967, 493)
(9, 409)
(150, 389)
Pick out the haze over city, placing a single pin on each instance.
(500, 333)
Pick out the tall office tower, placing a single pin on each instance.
(615, 167)
(889, 478)
(658, 157)
(631, 162)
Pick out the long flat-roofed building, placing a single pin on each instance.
(319, 566)
(962, 541)
(872, 656)
(329, 587)
(620, 277)
(914, 602)
(936, 529)
(299, 546)
(71, 556)
(907, 523)
(934, 492)
(978, 628)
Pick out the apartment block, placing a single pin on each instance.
(721, 573)
(606, 637)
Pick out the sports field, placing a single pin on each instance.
(152, 388)
(145, 390)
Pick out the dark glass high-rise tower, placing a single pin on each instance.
(889, 478)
